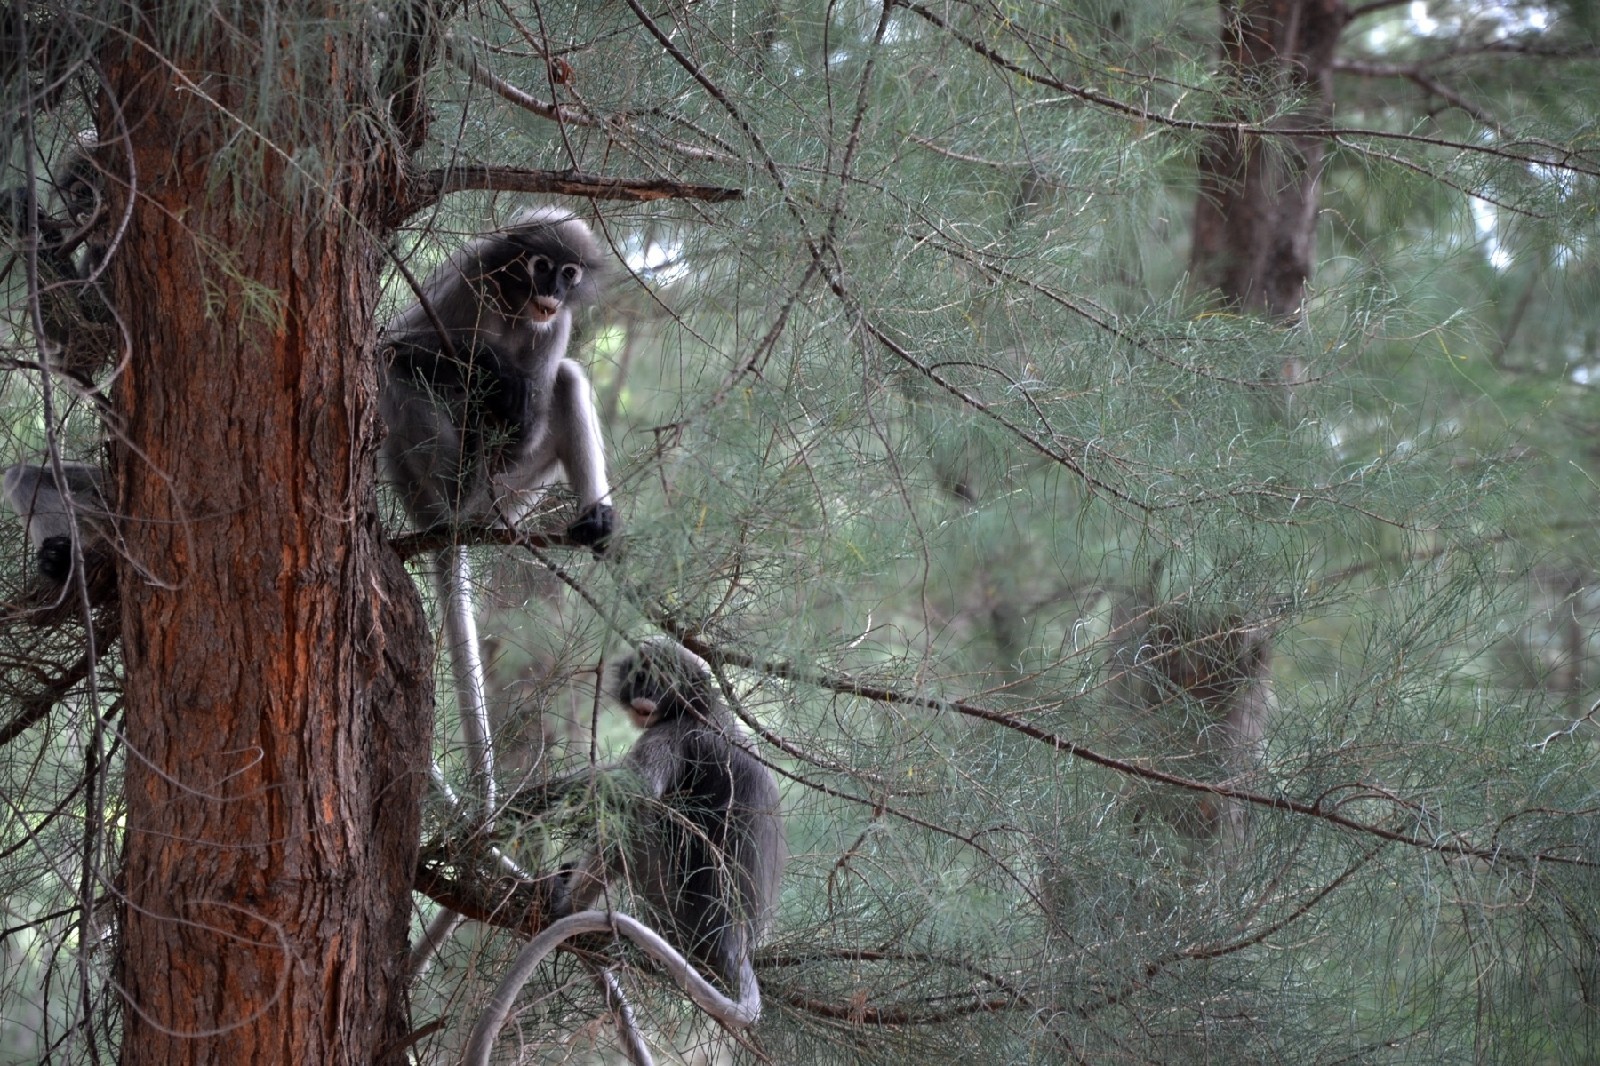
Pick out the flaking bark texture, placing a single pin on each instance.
(1255, 221)
(278, 682)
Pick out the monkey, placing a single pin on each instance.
(704, 848)
(80, 336)
(484, 411)
(53, 516)
(706, 852)
(480, 400)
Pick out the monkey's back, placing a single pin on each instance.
(719, 827)
(49, 511)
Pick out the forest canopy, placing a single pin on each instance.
(1128, 471)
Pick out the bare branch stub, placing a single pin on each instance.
(432, 185)
(455, 881)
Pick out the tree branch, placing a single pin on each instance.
(846, 685)
(36, 706)
(427, 541)
(576, 116)
(432, 185)
(1426, 82)
(1556, 156)
(735, 1014)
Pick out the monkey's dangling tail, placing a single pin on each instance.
(452, 574)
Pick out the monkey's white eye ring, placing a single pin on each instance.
(572, 274)
(540, 264)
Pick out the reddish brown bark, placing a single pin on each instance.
(278, 692)
(1255, 220)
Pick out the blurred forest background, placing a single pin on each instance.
(1132, 466)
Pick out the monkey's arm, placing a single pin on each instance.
(581, 450)
(425, 365)
(592, 805)
(597, 790)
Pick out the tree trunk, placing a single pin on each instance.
(278, 682)
(1255, 222)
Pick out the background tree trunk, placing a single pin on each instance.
(278, 695)
(1255, 220)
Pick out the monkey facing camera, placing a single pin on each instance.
(485, 412)
(484, 409)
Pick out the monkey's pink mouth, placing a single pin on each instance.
(643, 711)
(541, 315)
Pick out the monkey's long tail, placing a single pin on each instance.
(735, 1015)
(452, 573)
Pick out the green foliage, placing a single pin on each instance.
(919, 435)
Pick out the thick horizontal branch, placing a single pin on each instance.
(431, 185)
(516, 906)
(846, 685)
(428, 541)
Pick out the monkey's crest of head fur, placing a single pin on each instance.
(499, 261)
(556, 233)
(663, 680)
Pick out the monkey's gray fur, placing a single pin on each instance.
(80, 335)
(485, 411)
(708, 853)
(51, 516)
(484, 416)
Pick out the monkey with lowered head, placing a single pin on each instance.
(80, 334)
(51, 513)
(1198, 685)
(707, 850)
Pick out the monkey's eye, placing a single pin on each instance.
(571, 274)
(540, 265)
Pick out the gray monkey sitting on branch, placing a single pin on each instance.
(704, 847)
(483, 407)
(485, 412)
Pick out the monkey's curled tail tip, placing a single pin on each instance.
(748, 1009)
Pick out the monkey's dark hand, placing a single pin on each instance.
(594, 527)
(55, 559)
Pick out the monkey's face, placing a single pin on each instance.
(549, 283)
(532, 289)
